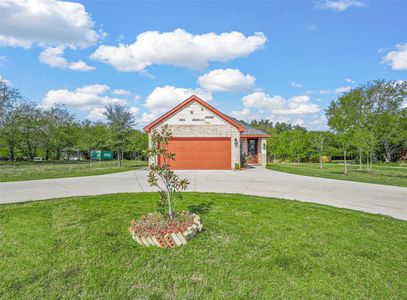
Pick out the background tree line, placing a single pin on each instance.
(28, 130)
(368, 123)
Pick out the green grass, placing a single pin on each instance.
(59, 169)
(381, 174)
(253, 247)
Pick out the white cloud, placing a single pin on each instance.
(349, 80)
(53, 56)
(339, 5)
(96, 114)
(298, 105)
(136, 97)
(47, 23)
(85, 98)
(230, 80)
(397, 59)
(342, 89)
(318, 123)
(178, 48)
(134, 110)
(80, 65)
(8, 82)
(261, 100)
(244, 114)
(3, 59)
(299, 122)
(295, 84)
(339, 90)
(121, 92)
(277, 105)
(163, 98)
(147, 118)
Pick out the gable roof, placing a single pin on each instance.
(250, 131)
(186, 102)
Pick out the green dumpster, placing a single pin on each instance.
(101, 155)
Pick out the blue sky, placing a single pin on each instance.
(281, 60)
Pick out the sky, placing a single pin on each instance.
(278, 60)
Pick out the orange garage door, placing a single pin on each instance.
(201, 153)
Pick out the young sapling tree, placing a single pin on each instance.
(160, 175)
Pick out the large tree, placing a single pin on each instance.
(343, 116)
(386, 100)
(29, 124)
(58, 128)
(121, 121)
(9, 100)
(298, 141)
(318, 142)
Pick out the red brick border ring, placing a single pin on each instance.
(170, 240)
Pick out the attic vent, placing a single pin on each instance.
(197, 120)
(182, 119)
(208, 117)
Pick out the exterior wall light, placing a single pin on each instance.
(236, 142)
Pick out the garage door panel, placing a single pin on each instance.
(201, 153)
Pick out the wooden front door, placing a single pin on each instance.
(252, 145)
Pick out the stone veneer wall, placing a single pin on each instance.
(263, 152)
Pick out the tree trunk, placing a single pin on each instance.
(367, 162)
(346, 167)
(118, 158)
(298, 159)
(169, 205)
(12, 153)
(320, 162)
(388, 151)
(360, 159)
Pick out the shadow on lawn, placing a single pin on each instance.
(200, 209)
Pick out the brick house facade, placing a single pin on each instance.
(204, 138)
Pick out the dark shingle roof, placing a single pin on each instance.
(249, 130)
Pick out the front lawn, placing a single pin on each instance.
(253, 247)
(381, 174)
(32, 170)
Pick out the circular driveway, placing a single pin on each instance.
(373, 198)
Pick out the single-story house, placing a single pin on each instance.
(203, 138)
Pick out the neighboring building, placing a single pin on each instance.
(206, 139)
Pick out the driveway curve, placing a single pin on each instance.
(373, 198)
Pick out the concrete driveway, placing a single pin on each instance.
(387, 200)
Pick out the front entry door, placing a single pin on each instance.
(252, 144)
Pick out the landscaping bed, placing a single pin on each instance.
(252, 247)
(155, 229)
